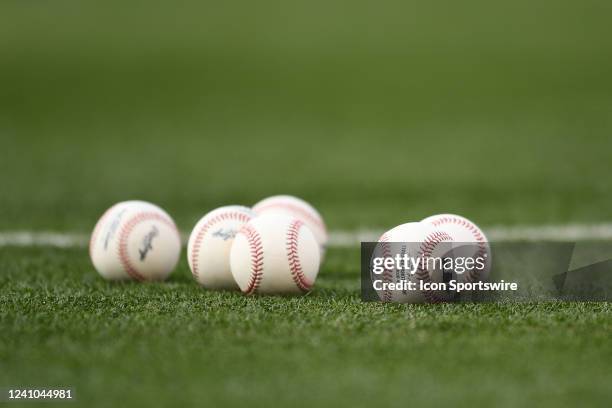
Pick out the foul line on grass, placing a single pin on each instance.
(563, 233)
(43, 238)
(557, 233)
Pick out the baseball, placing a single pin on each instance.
(300, 209)
(208, 249)
(135, 240)
(416, 240)
(275, 253)
(469, 241)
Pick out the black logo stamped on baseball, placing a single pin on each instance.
(147, 243)
(225, 234)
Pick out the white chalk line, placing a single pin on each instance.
(559, 233)
(555, 233)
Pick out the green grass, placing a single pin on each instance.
(154, 344)
(377, 113)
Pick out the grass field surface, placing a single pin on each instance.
(378, 113)
(154, 344)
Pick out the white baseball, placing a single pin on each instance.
(275, 253)
(469, 241)
(416, 240)
(135, 240)
(208, 249)
(300, 209)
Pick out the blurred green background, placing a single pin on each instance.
(377, 112)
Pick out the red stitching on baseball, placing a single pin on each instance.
(387, 274)
(257, 257)
(122, 250)
(427, 247)
(195, 249)
(295, 267)
(307, 214)
(474, 274)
